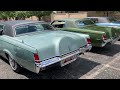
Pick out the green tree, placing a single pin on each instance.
(40, 14)
(7, 14)
(22, 15)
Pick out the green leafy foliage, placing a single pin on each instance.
(23, 14)
(40, 14)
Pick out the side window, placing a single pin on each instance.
(21, 29)
(1, 27)
(58, 24)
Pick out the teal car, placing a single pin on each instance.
(100, 36)
(36, 45)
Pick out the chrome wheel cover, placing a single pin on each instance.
(13, 64)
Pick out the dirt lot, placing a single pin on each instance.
(100, 63)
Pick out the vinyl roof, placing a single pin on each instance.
(15, 22)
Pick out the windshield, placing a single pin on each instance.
(32, 27)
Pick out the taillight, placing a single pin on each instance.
(36, 58)
(88, 41)
(104, 37)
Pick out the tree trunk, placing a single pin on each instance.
(39, 18)
(5, 19)
(16, 18)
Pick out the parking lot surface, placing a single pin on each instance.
(99, 63)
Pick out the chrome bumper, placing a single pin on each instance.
(114, 40)
(45, 63)
(106, 41)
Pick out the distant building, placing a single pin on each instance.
(62, 14)
(82, 14)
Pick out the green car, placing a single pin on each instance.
(100, 36)
(36, 45)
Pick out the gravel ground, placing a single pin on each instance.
(99, 63)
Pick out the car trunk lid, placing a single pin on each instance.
(54, 43)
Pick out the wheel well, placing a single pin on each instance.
(7, 55)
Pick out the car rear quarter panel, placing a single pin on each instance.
(20, 52)
(96, 37)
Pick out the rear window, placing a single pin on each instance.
(21, 29)
(33, 27)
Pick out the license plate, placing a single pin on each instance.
(68, 60)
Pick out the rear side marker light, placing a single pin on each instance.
(36, 58)
(88, 41)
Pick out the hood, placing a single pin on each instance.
(53, 43)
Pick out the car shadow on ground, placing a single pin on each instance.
(109, 50)
(71, 71)
(5, 60)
